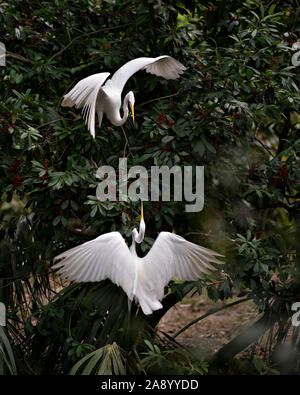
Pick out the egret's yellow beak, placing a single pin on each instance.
(132, 111)
(142, 212)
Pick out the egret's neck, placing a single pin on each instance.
(140, 236)
(132, 247)
(115, 116)
(137, 237)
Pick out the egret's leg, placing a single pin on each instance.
(129, 305)
(126, 142)
(100, 117)
(129, 314)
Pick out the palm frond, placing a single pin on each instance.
(107, 360)
(6, 354)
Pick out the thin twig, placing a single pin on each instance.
(159, 98)
(94, 163)
(134, 349)
(264, 146)
(126, 141)
(171, 339)
(207, 235)
(66, 148)
(48, 123)
(85, 35)
(199, 234)
(139, 362)
(212, 311)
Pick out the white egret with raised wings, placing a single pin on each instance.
(94, 96)
(142, 279)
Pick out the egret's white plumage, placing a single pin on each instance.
(143, 279)
(94, 96)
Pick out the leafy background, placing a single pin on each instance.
(234, 111)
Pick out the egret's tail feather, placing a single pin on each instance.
(148, 305)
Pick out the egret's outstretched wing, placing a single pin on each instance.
(107, 256)
(84, 94)
(162, 66)
(174, 257)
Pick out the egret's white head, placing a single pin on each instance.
(139, 237)
(131, 101)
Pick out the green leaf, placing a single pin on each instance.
(258, 364)
(74, 205)
(167, 139)
(56, 220)
(64, 221)
(93, 212)
(272, 9)
(64, 204)
(248, 234)
(254, 33)
(199, 148)
(256, 268)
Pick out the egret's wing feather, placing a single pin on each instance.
(174, 257)
(162, 66)
(107, 256)
(84, 94)
(166, 67)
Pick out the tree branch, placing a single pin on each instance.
(210, 312)
(243, 340)
(159, 98)
(48, 123)
(19, 57)
(264, 146)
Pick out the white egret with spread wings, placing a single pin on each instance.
(142, 279)
(92, 95)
